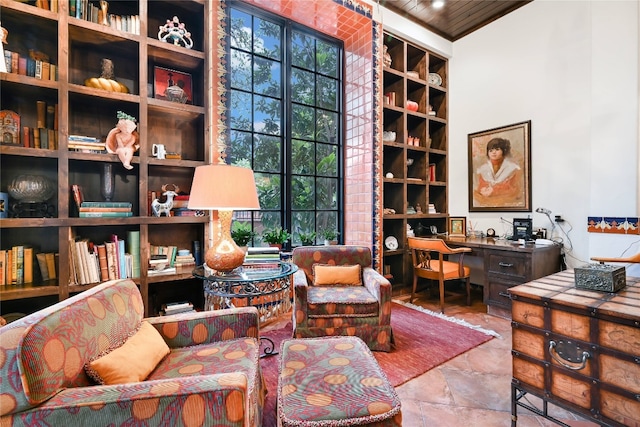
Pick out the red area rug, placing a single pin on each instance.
(422, 341)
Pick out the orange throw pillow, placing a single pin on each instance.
(337, 275)
(133, 361)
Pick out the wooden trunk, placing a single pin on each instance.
(578, 349)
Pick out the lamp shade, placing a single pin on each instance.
(223, 187)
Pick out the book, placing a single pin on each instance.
(122, 258)
(105, 209)
(9, 267)
(22, 65)
(26, 138)
(3, 259)
(7, 60)
(111, 260)
(78, 197)
(51, 265)
(46, 69)
(133, 248)
(105, 214)
(102, 259)
(197, 252)
(44, 139)
(15, 59)
(42, 264)
(106, 204)
(28, 265)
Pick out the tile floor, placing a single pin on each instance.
(473, 389)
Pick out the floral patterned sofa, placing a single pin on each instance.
(210, 376)
(357, 309)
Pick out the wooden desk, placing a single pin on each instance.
(498, 264)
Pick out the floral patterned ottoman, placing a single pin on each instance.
(333, 381)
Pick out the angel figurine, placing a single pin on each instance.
(123, 139)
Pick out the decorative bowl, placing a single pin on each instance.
(31, 188)
(388, 136)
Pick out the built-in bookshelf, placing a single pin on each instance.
(415, 148)
(76, 108)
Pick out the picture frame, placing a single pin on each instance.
(172, 85)
(457, 226)
(501, 183)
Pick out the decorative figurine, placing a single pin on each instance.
(175, 32)
(123, 139)
(165, 208)
(386, 56)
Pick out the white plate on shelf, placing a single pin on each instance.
(413, 74)
(391, 243)
(435, 79)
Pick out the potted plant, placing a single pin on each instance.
(241, 233)
(307, 239)
(330, 236)
(276, 236)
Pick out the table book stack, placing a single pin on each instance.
(176, 307)
(262, 257)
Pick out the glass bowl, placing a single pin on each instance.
(31, 188)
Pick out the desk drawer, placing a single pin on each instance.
(508, 264)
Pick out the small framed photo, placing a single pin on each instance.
(457, 226)
(172, 85)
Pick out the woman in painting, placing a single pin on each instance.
(500, 178)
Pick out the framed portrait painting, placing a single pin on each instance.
(500, 169)
(172, 85)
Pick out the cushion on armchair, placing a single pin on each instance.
(337, 275)
(131, 362)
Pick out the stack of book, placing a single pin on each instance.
(432, 208)
(176, 307)
(105, 209)
(186, 260)
(86, 144)
(160, 264)
(262, 257)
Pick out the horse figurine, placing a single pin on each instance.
(165, 208)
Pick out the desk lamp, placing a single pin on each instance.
(224, 188)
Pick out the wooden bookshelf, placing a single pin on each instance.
(76, 47)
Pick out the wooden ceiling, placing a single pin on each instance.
(457, 18)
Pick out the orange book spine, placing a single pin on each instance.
(102, 259)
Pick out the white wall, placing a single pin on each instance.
(571, 67)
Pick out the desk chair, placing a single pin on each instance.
(429, 262)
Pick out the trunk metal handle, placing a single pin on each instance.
(563, 352)
(505, 264)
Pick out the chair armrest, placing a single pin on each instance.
(164, 401)
(377, 285)
(300, 299)
(186, 329)
(460, 250)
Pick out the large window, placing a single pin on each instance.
(285, 115)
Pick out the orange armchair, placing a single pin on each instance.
(429, 262)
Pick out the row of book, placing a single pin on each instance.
(84, 9)
(27, 66)
(114, 259)
(17, 265)
(104, 210)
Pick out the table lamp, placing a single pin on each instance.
(224, 188)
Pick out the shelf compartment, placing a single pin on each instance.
(438, 196)
(190, 13)
(394, 161)
(395, 48)
(86, 54)
(13, 166)
(88, 175)
(438, 135)
(182, 134)
(394, 196)
(417, 127)
(417, 195)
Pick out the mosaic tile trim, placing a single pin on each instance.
(613, 225)
(376, 179)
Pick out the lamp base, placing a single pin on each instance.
(224, 255)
